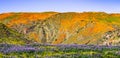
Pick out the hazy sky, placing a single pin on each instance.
(110, 6)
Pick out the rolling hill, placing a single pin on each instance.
(97, 28)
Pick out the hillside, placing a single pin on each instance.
(10, 36)
(23, 18)
(66, 28)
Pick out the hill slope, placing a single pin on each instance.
(10, 36)
(23, 18)
(68, 28)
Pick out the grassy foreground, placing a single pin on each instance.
(58, 51)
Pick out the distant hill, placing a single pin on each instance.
(66, 28)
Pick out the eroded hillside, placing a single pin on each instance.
(66, 28)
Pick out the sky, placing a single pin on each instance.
(109, 6)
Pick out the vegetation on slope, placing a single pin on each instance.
(11, 19)
(64, 28)
(10, 36)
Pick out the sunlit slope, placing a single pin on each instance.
(12, 18)
(80, 28)
(67, 28)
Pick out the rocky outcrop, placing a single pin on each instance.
(112, 37)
